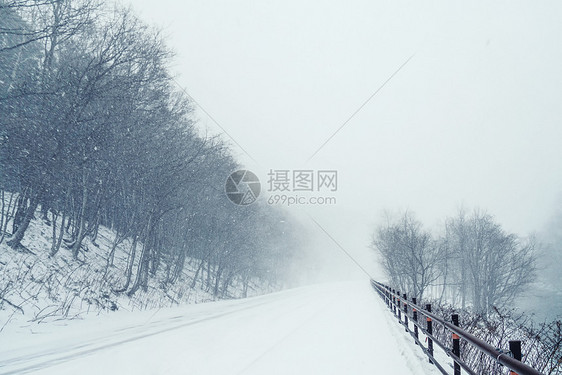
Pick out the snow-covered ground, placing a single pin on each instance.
(37, 288)
(339, 328)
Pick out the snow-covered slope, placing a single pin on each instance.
(36, 288)
(341, 328)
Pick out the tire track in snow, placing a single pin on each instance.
(98, 345)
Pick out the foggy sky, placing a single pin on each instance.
(473, 119)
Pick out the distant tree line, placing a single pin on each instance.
(473, 262)
(93, 132)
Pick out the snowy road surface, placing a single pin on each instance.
(340, 328)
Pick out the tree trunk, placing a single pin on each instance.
(6, 216)
(180, 264)
(82, 219)
(217, 281)
(194, 282)
(208, 284)
(21, 207)
(142, 271)
(245, 287)
(2, 216)
(130, 264)
(15, 241)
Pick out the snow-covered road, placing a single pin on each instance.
(340, 328)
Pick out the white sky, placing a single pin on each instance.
(473, 119)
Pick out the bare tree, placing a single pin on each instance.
(493, 266)
(409, 255)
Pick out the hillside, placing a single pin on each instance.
(35, 288)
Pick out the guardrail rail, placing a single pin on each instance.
(409, 311)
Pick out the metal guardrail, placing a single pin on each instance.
(399, 304)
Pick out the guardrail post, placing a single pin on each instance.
(515, 349)
(456, 345)
(387, 293)
(398, 306)
(429, 329)
(393, 302)
(406, 312)
(415, 317)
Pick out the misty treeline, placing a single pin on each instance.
(550, 257)
(473, 262)
(93, 132)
